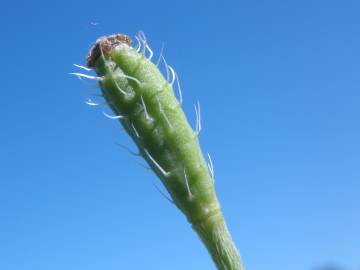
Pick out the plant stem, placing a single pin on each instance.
(216, 237)
(145, 104)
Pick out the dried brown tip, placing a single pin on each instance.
(105, 45)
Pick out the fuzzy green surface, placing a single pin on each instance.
(156, 122)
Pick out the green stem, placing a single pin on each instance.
(145, 104)
(216, 237)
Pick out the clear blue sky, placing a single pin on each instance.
(279, 86)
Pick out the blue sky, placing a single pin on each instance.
(279, 85)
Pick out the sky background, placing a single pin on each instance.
(278, 82)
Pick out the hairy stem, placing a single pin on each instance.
(144, 103)
(216, 237)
